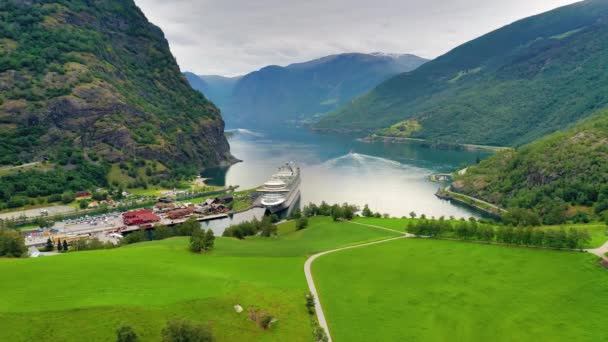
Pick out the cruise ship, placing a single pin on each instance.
(283, 188)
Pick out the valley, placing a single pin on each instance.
(247, 171)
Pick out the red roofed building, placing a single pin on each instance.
(138, 217)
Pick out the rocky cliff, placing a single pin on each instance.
(97, 77)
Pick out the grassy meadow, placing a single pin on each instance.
(431, 290)
(87, 295)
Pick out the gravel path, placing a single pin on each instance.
(600, 251)
(310, 280)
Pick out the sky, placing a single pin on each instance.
(234, 37)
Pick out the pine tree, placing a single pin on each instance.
(65, 246)
(59, 246)
(49, 245)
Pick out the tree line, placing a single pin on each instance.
(336, 212)
(526, 236)
(263, 227)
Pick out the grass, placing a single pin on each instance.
(430, 290)
(90, 294)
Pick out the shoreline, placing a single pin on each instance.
(427, 143)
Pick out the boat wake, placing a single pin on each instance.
(364, 161)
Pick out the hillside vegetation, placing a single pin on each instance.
(88, 84)
(562, 176)
(506, 88)
(300, 92)
(98, 77)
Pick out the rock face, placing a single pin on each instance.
(98, 77)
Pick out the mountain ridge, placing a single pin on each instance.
(300, 91)
(494, 81)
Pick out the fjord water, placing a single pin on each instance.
(391, 178)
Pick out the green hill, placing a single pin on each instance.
(508, 87)
(87, 295)
(97, 80)
(562, 176)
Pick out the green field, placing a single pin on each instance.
(430, 290)
(87, 295)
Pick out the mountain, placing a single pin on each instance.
(96, 80)
(275, 94)
(217, 88)
(508, 87)
(561, 176)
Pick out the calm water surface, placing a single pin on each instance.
(391, 178)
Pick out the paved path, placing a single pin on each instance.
(600, 251)
(310, 280)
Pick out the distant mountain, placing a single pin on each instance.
(508, 87)
(563, 176)
(95, 80)
(217, 88)
(275, 95)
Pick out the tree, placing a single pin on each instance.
(68, 197)
(83, 204)
(301, 223)
(197, 241)
(185, 331)
(49, 245)
(296, 214)
(162, 232)
(65, 246)
(209, 240)
(187, 228)
(59, 246)
(126, 334)
(412, 214)
(366, 211)
(12, 244)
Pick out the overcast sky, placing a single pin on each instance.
(232, 37)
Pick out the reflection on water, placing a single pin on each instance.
(218, 226)
(391, 178)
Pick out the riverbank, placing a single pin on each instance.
(433, 144)
(472, 202)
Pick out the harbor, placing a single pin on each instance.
(276, 197)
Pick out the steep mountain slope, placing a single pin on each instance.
(508, 87)
(556, 176)
(216, 88)
(96, 79)
(275, 95)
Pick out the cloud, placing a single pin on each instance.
(230, 37)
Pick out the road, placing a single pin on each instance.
(310, 280)
(30, 213)
(600, 251)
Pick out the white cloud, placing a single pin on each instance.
(230, 37)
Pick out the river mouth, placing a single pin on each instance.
(390, 178)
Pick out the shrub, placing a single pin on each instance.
(126, 334)
(185, 331)
(12, 244)
(266, 321)
(301, 223)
